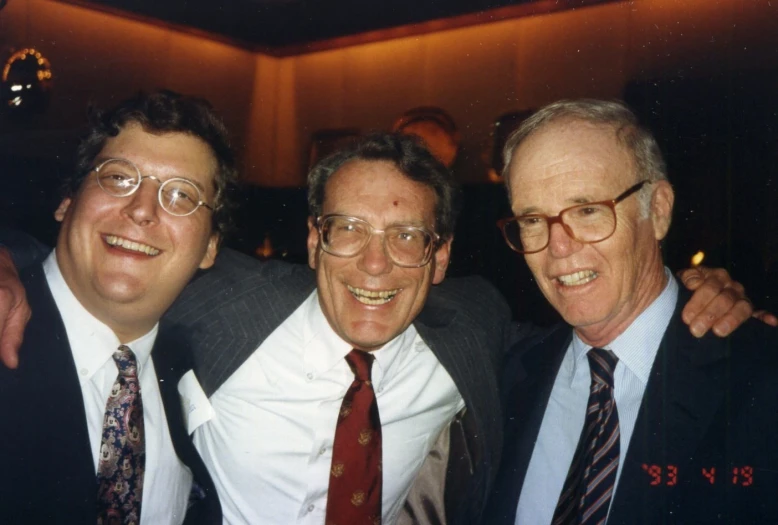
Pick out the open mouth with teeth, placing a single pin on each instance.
(372, 297)
(577, 278)
(130, 246)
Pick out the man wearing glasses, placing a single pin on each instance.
(94, 425)
(622, 416)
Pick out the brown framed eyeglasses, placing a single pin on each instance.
(587, 223)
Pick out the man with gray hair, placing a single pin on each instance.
(621, 415)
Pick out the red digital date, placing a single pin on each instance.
(743, 476)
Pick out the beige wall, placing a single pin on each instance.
(102, 58)
(478, 73)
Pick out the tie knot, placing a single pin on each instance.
(360, 363)
(125, 362)
(602, 363)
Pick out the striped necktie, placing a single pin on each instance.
(586, 494)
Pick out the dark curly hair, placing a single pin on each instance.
(159, 113)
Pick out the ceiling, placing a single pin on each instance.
(276, 24)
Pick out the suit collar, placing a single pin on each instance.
(92, 342)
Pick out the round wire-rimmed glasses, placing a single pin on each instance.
(177, 196)
(587, 223)
(406, 246)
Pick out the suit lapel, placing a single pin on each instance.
(172, 359)
(528, 380)
(681, 399)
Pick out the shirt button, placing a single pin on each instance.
(310, 508)
(322, 450)
(380, 389)
(84, 372)
(309, 375)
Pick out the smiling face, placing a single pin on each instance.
(125, 258)
(598, 288)
(367, 299)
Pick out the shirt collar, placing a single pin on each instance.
(637, 346)
(324, 349)
(91, 341)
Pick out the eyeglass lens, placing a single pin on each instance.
(121, 178)
(585, 223)
(347, 236)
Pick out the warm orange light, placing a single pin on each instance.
(43, 74)
(697, 258)
(266, 250)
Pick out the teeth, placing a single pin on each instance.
(371, 297)
(577, 278)
(113, 240)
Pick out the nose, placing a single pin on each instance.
(143, 206)
(560, 242)
(374, 260)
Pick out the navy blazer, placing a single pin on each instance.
(48, 473)
(705, 444)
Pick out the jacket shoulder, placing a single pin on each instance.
(232, 277)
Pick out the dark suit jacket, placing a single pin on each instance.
(710, 403)
(48, 474)
(233, 307)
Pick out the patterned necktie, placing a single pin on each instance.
(122, 449)
(586, 494)
(354, 495)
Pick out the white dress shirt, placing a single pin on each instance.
(269, 443)
(563, 421)
(167, 481)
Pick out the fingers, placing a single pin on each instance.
(718, 303)
(12, 334)
(766, 317)
(14, 311)
(691, 278)
(14, 314)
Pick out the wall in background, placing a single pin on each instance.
(102, 58)
(476, 73)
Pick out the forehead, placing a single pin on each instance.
(166, 154)
(569, 162)
(378, 190)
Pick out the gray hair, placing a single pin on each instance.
(640, 143)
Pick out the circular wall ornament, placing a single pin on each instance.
(26, 81)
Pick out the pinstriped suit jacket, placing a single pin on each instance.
(232, 308)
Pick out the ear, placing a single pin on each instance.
(313, 242)
(442, 258)
(210, 252)
(662, 208)
(59, 214)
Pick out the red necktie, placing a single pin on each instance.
(354, 495)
